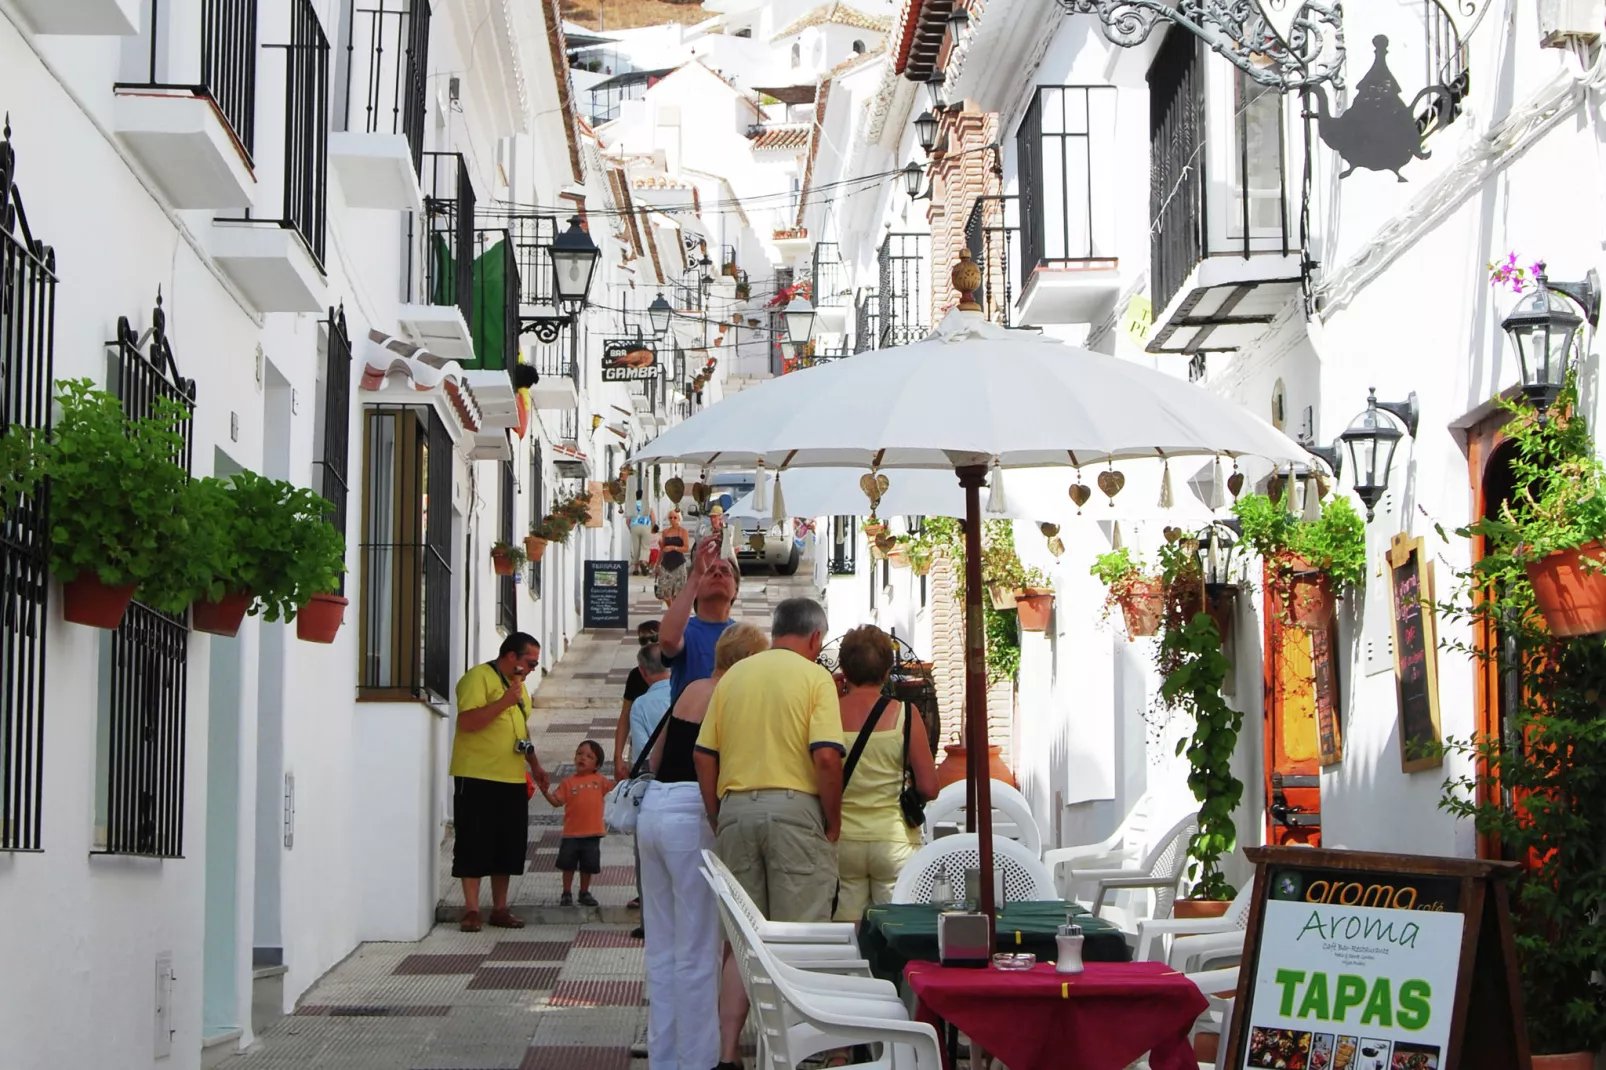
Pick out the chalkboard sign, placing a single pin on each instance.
(1416, 653)
(607, 595)
(1324, 671)
(1377, 962)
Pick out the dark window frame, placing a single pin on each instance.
(507, 607)
(335, 453)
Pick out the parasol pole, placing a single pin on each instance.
(978, 792)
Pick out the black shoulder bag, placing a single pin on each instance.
(914, 810)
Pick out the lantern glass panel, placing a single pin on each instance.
(1542, 328)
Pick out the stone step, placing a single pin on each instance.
(267, 996)
(218, 1047)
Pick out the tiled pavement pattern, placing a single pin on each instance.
(565, 993)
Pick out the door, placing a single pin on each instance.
(1293, 751)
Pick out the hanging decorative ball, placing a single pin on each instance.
(966, 278)
(1172, 534)
(1111, 482)
(1080, 493)
(1235, 483)
(675, 489)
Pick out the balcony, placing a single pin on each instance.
(1223, 258)
(82, 18)
(559, 367)
(904, 295)
(441, 270)
(568, 460)
(496, 329)
(279, 262)
(187, 112)
(1069, 205)
(993, 235)
(377, 149)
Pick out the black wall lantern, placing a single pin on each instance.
(958, 19)
(912, 177)
(1372, 438)
(658, 314)
(926, 130)
(799, 322)
(574, 261)
(1543, 327)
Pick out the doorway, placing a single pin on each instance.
(1293, 787)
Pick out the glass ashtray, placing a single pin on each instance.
(1009, 961)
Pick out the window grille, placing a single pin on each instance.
(537, 500)
(844, 545)
(27, 351)
(387, 69)
(1065, 157)
(1176, 180)
(905, 291)
(507, 609)
(228, 71)
(334, 457)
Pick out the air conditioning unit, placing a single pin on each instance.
(1562, 23)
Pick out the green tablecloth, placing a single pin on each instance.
(894, 935)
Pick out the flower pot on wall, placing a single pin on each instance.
(1035, 605)
(320, 619)
(952, 769)
(222, 617)
(1200, 908)
(534, 547)
(1000, 597)
(85, 600)
(1572, 600)
(502, 563)
(1143, 605)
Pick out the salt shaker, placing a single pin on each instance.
(942, 893)
(1069, 939)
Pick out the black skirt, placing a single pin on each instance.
(491, 824)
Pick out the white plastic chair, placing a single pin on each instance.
(1025, 879)
(829, 955)
(1224, 933)
(779, 932)
(796, 1023)
(1012, 815)
(1122, 849)
(1160, 873)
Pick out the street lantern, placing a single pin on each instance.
(913, 175)
(1542, 328)
(574, 261)
(958, 19)
(926, 130)
(1372, 438)
(799, 322)
(1215, 547)
(658, 314)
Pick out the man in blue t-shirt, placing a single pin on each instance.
(698, 616)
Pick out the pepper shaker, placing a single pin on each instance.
(1069, 940)
(942, 893)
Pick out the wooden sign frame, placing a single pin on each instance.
(1402, 549)
(1487, 1028)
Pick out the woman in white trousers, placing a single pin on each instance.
(678, 907)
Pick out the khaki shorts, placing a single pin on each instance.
(774, 842)
(867, 870)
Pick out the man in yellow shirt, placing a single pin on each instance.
(769, 761)
(490, 801)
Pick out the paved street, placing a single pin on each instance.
(564, 993)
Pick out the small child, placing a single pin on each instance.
(581, 796)
(652, 549)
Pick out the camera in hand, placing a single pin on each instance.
(523, 746)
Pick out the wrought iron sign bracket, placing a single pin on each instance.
(545, 328)
(1286, 44)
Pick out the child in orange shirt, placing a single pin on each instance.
(581, 796)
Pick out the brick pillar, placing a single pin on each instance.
(962, 171)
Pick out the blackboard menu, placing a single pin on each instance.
(607, 595)
(1416, 662)
(1324, 669)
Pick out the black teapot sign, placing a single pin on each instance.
(1379, 131)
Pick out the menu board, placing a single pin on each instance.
(1358, 961)
(1324, 672)
(607, 595)
(1416, 655)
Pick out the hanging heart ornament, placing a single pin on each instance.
(1049, 530)
(1235, 483)
(1111, 482)
(1172, 534)
(885, 542)
(1056, 545)
(699, 493)
(675, 489)
(1080, 493)
(872, 490)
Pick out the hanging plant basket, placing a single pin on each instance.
(85, 600)
(534, 547)
(1572, 599)
(1035, 605)
(222, 617)
(1142, 606)
(898, 555)
(320, 619)
(502, 563)
(1001, 598)
(921, 564)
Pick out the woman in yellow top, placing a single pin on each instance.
(876, 841)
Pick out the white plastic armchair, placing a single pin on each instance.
(1012, 815)
(1160, 873)
(1183, 930)
(778, 932)
(829, 954)
(1025, 879)
(1122, 849)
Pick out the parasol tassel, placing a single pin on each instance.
(1116, 542)
(761, 490)
(1218, 488)
(1167, 499)
(779, 513)
(997, 503)
(1313, 500)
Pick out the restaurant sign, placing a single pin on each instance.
(626, 359)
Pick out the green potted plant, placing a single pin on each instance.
(316, 559)
(1309, 564)
(1138, 594)
(115, 501)
(1542, 802)
(508, 557)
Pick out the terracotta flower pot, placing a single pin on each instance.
(222, 617)
(320, 619)
(1200, 908)
(1143, 605)
(898, 556)
(952, 769)
(1002, 598)
(86, 600)
(1572, 600)
(1034, 606)
(534, 547)
(1574, 1060)
(502, 563)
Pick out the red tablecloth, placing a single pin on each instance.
(1101, 1019)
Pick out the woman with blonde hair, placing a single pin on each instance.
(876, 838)
(679, 911)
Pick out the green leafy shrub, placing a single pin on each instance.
(1335, 543)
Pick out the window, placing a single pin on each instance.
(844, 544)
(406, 564)
(334, 425)
(507, 610)
(1064, 145)
(142, 741)
(905, 290)
(27, 333)
(1260, 203)
(537, 499)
